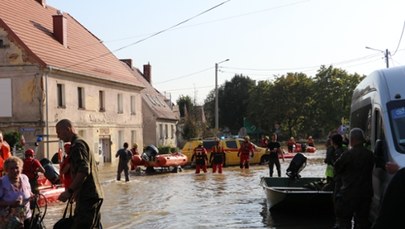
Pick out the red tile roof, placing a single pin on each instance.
(31, 25)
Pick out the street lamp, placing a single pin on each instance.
(216, 94)
(386, 54)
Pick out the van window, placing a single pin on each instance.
(208, 144)
(231, 144)
(361, 118)
(396, 111)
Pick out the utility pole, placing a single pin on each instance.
(216, 95)
(386, 55)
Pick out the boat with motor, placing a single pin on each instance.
(295, 192)
(151, 159)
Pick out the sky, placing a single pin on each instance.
(183, 40)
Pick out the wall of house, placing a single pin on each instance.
(22, 96)
(165, 136)
(98, 125)
(35, 110)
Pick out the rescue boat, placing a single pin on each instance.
(49, 192)
(160, 160)
(303, 148)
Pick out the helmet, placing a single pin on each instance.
(247, 138)
(200, 143)
(29, 152)
(134, 145)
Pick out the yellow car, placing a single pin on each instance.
(231, 147)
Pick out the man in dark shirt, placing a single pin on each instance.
(354, 190)
(85, 186)
(124, 155)
(274, 147)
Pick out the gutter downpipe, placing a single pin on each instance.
(46, 111)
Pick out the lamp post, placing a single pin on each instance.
(386, 54)
(216, 94)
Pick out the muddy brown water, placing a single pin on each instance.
(233, 199)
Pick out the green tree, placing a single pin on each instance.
(185, 105)
(291, 99)
(233, 102)
(333, 89)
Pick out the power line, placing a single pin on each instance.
(154, 34)
(400, 38)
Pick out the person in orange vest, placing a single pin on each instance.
(65, 175)
(134, 151)
(291, 144)
(201, 158)
(217, 157)
(5, 152)
(31, 168)
(310, 141)
(246, 151)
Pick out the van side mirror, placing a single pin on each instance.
(379, 155)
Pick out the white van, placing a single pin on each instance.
(378, 107)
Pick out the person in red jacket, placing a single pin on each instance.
(217, 157)
(5, 152)
(201, 158)
(246, 151)
(31, 168)
(65, 167)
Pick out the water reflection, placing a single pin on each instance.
(233, 199)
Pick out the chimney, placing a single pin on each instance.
(42, 2)
(147, 72)
(127, 62)
(60, 28)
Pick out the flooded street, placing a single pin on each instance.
(234, 199)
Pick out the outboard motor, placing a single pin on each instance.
(297, 164)
(150, 153)
(50, 172)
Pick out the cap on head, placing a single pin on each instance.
(135, 145)
(29, 152)
(247, 138)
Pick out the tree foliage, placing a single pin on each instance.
(300, 105)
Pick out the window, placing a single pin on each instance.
(166, 131)
(133, 103)
(120, 138)
(80, 97)
(172, 134)
(133, 137)
(61, 95)
(161, 131)
(5, 98)
(101, 99)
(120, 104)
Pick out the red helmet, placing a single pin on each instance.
(29, 152)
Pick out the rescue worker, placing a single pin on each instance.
(31, 168)
(217, 157)
(5, 152)
(246, 151)
(134, 151)
(65, 175)
(310, 141)
(291, 144)
(201, 158)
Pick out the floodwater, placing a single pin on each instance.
(233, 199)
